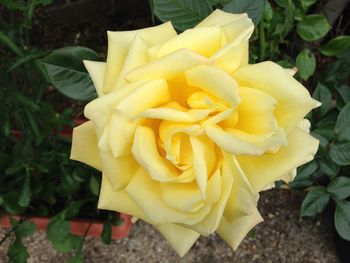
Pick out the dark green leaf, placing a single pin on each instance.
(340, 153)
(323, 95)
(58, 229)
(73, 209)
(26, 193)
(35, 54)
(66, 72)
(326, 130)
(342, 219)
(338, 71)
(330, 168)
(106, 235)
(17, 253)
(313, 27)
(268, 12)
(25, 228)
(94, 185)
(306, 64)
(184, 14)
(344, 93)
(71, 242)
(7, 42)
(304, 175)
(336, 46)
(254, 8)
(339, 187)
(315, 202)
(342, 127)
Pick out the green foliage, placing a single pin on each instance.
(183, 14)
(342, 218)
(254, 8)
(313, 27)
(306, 64)
(67, 73)
(315, 201)
(336, 46)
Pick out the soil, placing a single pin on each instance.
(282, 237)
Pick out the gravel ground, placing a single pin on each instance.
(282, 237)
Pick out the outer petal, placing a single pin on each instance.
(97, 72)
(117, 200)
(84, 145)
(234, 233)
(300, 149)
(119, 43)
(293, 99)
(180, 238)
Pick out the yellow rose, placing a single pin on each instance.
(186, 132)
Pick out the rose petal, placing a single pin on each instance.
(119, 44)
(84, 145)
(294, 101)
(234, 233)
(214, 81)
(180, 238)
(97, 72)
(300, 149)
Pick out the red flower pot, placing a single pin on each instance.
(79, 226)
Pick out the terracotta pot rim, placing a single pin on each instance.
(79, 226)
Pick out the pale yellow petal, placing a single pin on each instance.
(119, 44)
(117, 200)
(293, 100)
(242, 200)
(214, 81)
(137, 56)
(193, 39)
(146, 153)
(84, 145)
(147, 194)
(268, 168)
(234, 233)
(168, 67)
(96, 71)
(212, 221)
(119, 171)
(180, 238)
(256, 112)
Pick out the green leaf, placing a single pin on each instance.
(336, 46)
(254, 8)
(344, 93)
(326, 130)
(307, 3)
(17, 252)
(71, 242)
(32, 55)
(306, 64)
(26, 193)
(323, 95)
(184, 14)
(25, 229)
(342, 126)
(58, 229)
(315, 202)
(72, 210)
(338, 71)
(313, 27)
(342, 218)
(106, 235)
(340, 153)
(94, 185)
(66, 72)
(339, 187)
(303, 178)
(268, 12)
(330, 168)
